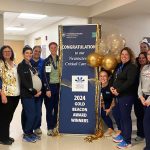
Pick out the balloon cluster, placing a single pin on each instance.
(108, 53)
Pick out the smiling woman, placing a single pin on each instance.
(144, 95)
(17, 46)
(10, 91)
(123, 84)
(28, 94)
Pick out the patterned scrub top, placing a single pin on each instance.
(10, 81)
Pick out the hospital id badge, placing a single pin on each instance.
(48, 69)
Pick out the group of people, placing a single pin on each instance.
(128, 85)
(33, 80)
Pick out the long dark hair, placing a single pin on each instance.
(1, 53)
(130, 52)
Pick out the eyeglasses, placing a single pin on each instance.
(6, 51)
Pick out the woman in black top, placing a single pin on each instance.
(27, 93)
(123, 87)
(107, 101)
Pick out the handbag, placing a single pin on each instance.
(37, 84)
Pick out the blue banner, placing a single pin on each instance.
(77, 97)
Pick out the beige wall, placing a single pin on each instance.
(17, 46)
(52, 33)
(132, 28)
(1, 30)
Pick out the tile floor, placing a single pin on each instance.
(63, 142)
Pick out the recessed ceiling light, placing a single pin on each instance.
(31, 16)
(15, 29)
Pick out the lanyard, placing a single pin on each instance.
(53, 63)
(119, 70)
(34, 71)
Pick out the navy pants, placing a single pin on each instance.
(29, 116)
(125, 106)
(116, 114)
(51, 105)
(38, 106)
(6, 114)
(146, 123)
(139, 113)
(106, 119)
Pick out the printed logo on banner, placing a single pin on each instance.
(72, 35)
(79, 83)
(93, 34)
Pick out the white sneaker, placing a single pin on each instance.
(50, 133)
(38, 131)
(139, 139)
(109, 132)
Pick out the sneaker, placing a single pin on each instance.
(109, 132)
(116, 133)
(37, 137)
(50, 133)
(28, 138)
(6, 142)
(145, 148)
(123, 145)
(118, 139)
(38, 131)
(11, 139)
(139, 139)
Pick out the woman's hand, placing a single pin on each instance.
(107, 111)
(48, 94)
(114, 91)
(38, 94)
(147, 103)
(4, 98)
(142, 100)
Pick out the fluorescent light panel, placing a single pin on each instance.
(31, 16)
(15, 29)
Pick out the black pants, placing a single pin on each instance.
(146, 124)
(6, 114)
(125, 106)
(107, 119)
(139, 113)
(116, 114)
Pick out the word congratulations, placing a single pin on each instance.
(78, 46)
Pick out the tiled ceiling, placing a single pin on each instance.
(11, 19)
(75, 8)
(31, 25)
(70, 2)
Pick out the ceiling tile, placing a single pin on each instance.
(31, 25)
(70, 2)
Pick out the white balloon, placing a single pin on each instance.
(115, 43)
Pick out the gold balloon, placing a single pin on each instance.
(94, 59)
(109, 62)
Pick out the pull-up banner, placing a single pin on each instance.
(77, 95)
